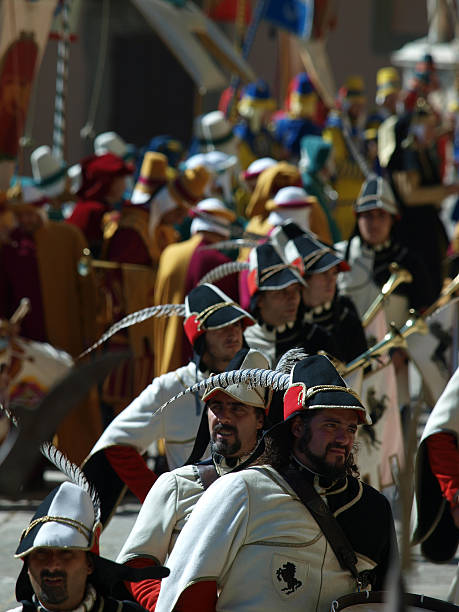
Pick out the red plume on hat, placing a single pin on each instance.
(98, 172)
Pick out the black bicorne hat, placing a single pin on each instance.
(207, 307)
(269, 271)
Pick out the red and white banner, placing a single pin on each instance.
(24, 29)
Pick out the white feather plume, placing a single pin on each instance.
(255, 377)
(73, 473)
(164, 310)
(289, 359)
(236, 243)
(224, 270)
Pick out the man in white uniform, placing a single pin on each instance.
(62, 569)
(437, 482)
(251, 544)
(214, 326)
(235, 417)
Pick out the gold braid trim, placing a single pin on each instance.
(373, 197)
(318, 388)
(85, 531)
(271, 270)
(205, 314)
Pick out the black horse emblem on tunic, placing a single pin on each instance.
(286, 574)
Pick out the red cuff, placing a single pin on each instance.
(199, 597)
(132, 469)
(145, 592)
(444, 462)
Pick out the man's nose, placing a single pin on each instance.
(224, 416)
(54, 562)
(343, 436)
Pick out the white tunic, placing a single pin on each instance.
(250, 533)
(139, 425)
(163, 515)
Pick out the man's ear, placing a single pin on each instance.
(297, 427)
(90, 563)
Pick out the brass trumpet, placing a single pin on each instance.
(445, 296)
(397, 277)
(396, 338)
(86, 263)
(393, 339)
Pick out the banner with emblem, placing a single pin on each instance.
(381, 452)
(435, 353)
(289, 576)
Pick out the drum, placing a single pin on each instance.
(375, 601)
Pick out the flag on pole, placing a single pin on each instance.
(295, 16)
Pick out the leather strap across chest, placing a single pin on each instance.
(325, 519)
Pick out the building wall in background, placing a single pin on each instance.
(145, 92)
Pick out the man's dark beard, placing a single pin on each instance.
(225, 447)
(53, 594)
(318, 462)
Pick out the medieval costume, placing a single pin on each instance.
(97, 176)
(349, 176)
(255, 139)
(314, 164)
(269, 182)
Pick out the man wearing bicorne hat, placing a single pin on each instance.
(213, 325)
(181, 267)
(40, 262)
(233, 418)
(269, 519)
(322, 305)
(60, 549)
(103, 183)
(275, 296)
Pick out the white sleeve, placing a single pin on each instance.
(137, 425)
(152, 532)
(210, 540)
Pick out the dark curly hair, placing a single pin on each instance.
(279, 444)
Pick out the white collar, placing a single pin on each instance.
(280, 329)
(317, 310)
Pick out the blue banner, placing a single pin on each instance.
(296, 16)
